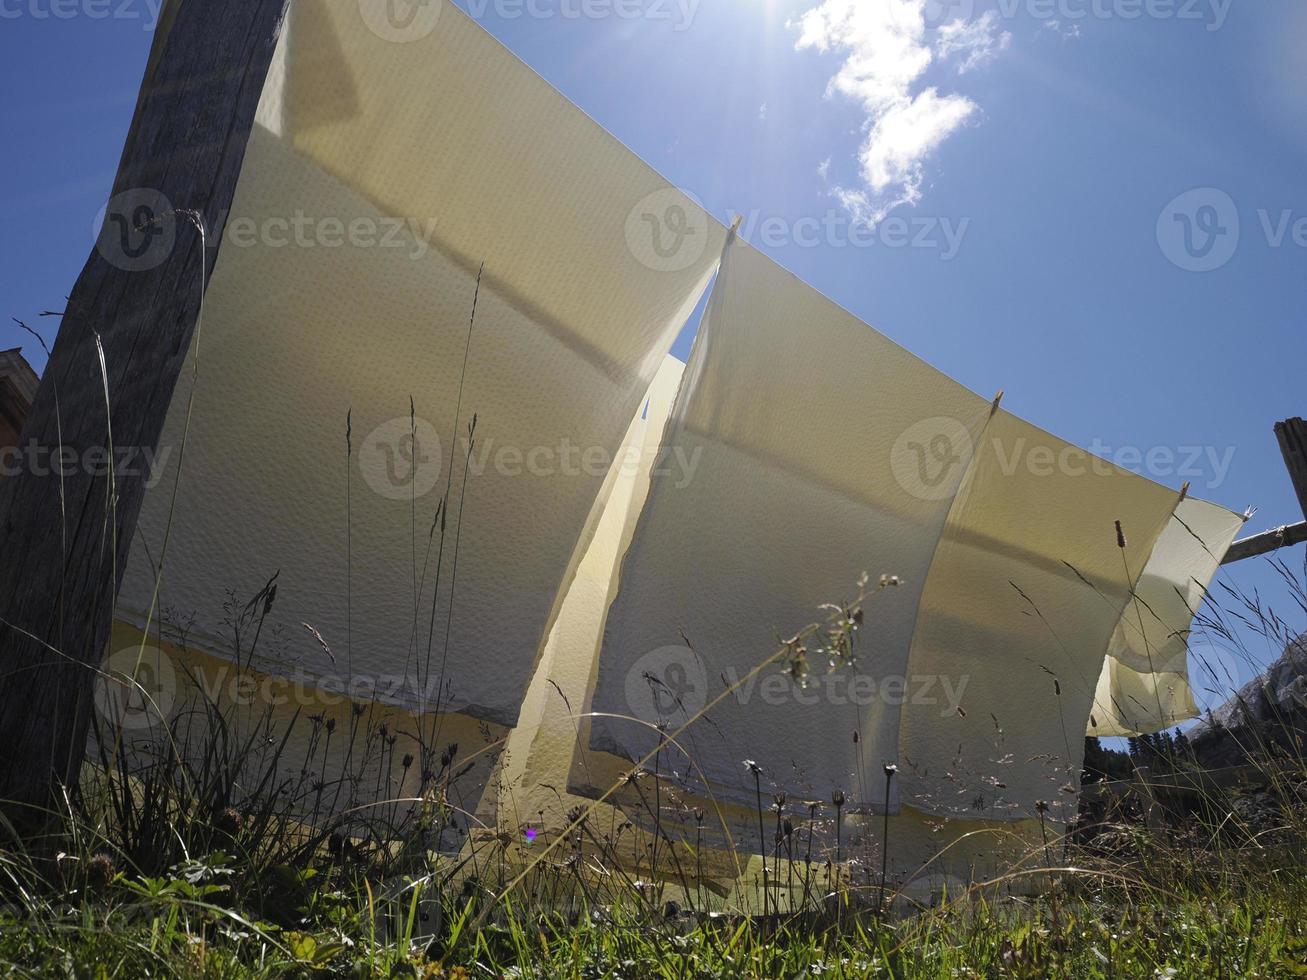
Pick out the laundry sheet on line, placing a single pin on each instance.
(343, 390)
(822, 451)
(549, 748)
(1145, 684)
(543, 746)
(547, 751)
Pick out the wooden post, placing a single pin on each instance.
(1292, 435)
(68, 518)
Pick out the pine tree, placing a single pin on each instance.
(1183, 750)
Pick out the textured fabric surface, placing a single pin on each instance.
(338, 375)
(549, 739)
(1025, 592)
(432, 494)
(824, 451)
(806, 433)
(1145, 686)
(318, 751)
(929, 858)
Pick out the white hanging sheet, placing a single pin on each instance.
(338, 375)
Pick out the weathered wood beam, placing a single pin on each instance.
(1266, 542)
(1292, 436)
(65, 530)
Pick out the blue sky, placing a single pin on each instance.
(1032, 149)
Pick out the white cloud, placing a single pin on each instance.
(1068, 33)
(762, 111)
(977, 41)
(886, 51)
(823, 170)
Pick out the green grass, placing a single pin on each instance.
(212, 856)
(1172, 910)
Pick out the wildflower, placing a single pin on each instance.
(798, 668)
(229, 821)
(100, 871)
